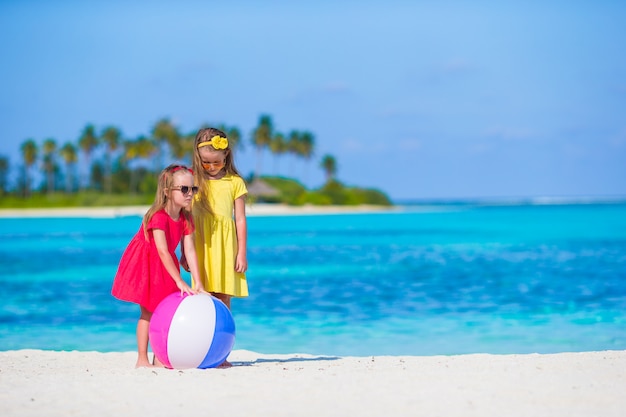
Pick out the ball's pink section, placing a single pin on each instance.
(160, 326)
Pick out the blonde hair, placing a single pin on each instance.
(165, 182)
(202, 177)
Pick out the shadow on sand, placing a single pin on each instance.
(286, 360)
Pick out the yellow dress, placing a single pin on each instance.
(216, 236)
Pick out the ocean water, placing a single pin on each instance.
(445, 279)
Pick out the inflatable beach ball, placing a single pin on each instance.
(191, 331)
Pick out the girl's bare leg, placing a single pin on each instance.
(225, 298)
(143, 327)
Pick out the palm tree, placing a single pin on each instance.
(261, 138)
(131, 152)
(4, 173)
(87, 142)
(111, 136)
(278, 146)
(70, 156)
(184, 150)
(49, 164)
(142, 147)
(306, 144)
(234, 136)
(165, 133)
(29, 154)
(146, 148)
(293, 144)
(329, 165)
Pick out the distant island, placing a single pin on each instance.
(269, 190)
(119, 171)
(289, 191)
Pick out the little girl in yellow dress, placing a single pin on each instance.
(219, 214)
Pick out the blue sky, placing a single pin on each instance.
(420, 99)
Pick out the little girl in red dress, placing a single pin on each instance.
(149, 269)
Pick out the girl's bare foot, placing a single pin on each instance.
(143, 364)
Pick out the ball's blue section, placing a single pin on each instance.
(223, 338)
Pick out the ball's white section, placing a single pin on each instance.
(191, 332)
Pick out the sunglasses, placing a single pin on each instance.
(214, 165)
(185, 189)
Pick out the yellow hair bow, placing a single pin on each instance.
(217, 142)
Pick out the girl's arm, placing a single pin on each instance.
(241, 262)
(192, 261)
(164, 253)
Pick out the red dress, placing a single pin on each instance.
(141, 277)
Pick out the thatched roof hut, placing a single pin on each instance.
(260, 189)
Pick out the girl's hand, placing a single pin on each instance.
(185, 289)
(200, 288)
(241, 264)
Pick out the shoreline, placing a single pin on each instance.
(60, 383)
(279, 209)
(251, 210)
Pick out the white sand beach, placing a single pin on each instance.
(251, 210)
(47, 383)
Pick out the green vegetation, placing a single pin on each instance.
(118, 171)
(81, 199)
(332, 193)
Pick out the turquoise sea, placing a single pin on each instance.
(422, 280)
